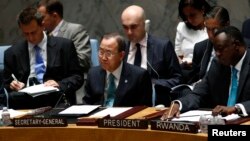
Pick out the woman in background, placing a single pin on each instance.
(190, 30)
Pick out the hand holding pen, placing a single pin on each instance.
(173, 111)
(15, 84)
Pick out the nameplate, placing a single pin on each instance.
(123, 123)
(40, 122)
(188, 127)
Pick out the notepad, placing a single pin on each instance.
(78, 110)
(37, 90)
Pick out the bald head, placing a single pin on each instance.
(133, 22)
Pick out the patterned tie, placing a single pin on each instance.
(39, 65)
(233, 91)
(111, 91)
(137, 61)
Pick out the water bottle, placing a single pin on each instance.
(203, 122)
(6, 117)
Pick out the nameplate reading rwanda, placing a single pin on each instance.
(189, 127)
(39, 122)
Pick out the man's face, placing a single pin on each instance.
(109, 57)
(49, 22)
(225, 49)
(134, 28)
(32, 32)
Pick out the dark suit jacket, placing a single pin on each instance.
(134, 87)
(163, 67)
(214, 87)
(62, 64)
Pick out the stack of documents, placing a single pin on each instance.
(37, 90)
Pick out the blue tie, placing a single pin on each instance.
(137, 61)
(111, 91)
(233, 91)
(39, 65)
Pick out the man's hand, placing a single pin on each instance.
(52, 83)
(223, 110)
(16, 85)
(172, 111)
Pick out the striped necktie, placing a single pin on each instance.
(39, 64)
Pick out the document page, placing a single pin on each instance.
(80, 109)
(194, 116)
(14, 113)
(113, 111)
(37, 90)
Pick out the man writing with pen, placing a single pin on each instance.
(226, 86)
(40, 59)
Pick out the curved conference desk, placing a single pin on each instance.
(92, 133)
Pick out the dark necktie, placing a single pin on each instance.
(137, 61)
(233, 91)
(111, 91)
(39, 64)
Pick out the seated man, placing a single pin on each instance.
(226, 85)
(117, 83)
(40, 58)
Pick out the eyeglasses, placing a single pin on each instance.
(107, 53)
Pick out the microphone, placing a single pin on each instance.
(147, 25)
(158, 76)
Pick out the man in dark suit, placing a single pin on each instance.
(218, 84)
(132, 84)
(60, 69)
(157, 55)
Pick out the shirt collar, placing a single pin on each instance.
(143, 42)
(42, 44)
(239, 64)
(55, 31)
(117, 72)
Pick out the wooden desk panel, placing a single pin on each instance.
(80, 133)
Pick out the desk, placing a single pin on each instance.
(93, 133)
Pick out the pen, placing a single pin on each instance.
(13, 76)
(171, 108)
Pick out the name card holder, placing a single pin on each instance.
(40, 122)
(187, 127)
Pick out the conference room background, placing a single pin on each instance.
(101, 16)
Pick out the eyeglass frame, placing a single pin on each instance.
(107, 53)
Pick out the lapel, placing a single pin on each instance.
(244, 72)
(62, 29)
(206, 58)
(51, 51)
(123, 84)
(24, 60)
(150, 53)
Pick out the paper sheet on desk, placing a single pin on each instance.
(14, 113)
(79, 109)
(37, 90)
(113, 111)
(194, 116)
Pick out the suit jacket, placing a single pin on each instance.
(134, 87)
(62, 64)
(201, 58)
(214, 87)
(163, 67)
(78, 34)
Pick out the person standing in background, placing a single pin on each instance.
(190, 31)
(55, 25)
(155, 55)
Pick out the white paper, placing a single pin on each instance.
(79, 109)
(37, 90)
(14, 113)
(194, 116)
(113, 111)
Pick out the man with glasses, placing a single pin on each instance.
(114, 82)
